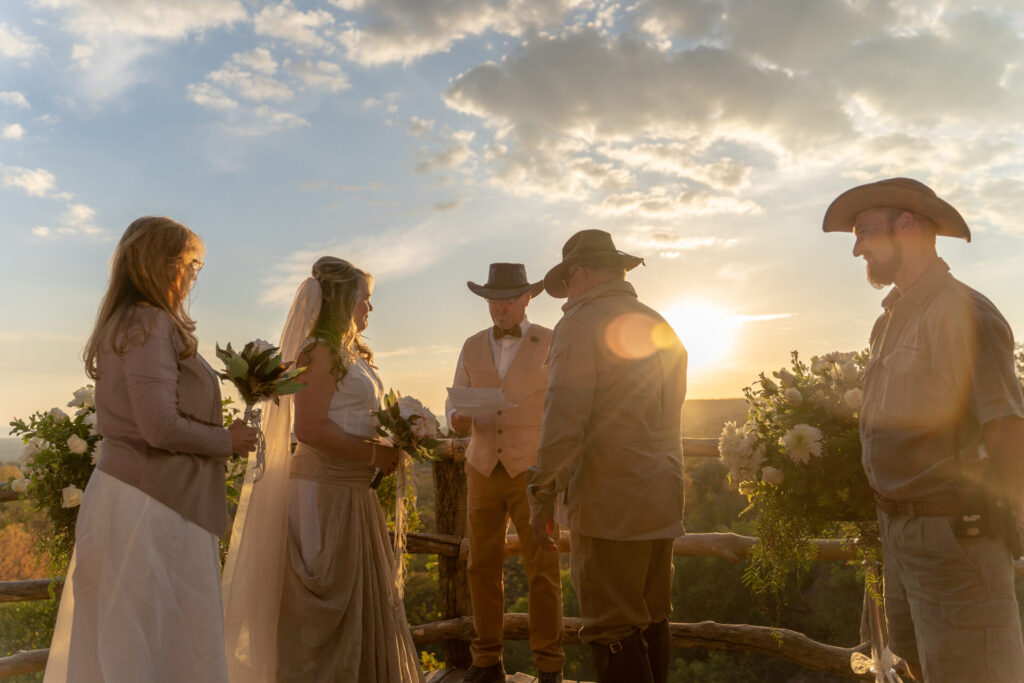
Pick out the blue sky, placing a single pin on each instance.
(423, 139)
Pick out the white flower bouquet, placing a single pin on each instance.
(404, 422)
(797, 459)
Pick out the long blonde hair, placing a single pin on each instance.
(146, 269)
(339, 281)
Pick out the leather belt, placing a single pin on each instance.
(915, 508)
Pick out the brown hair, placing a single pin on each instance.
(339, 281)
(146, 269)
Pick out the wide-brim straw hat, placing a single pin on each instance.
(582, 244)
(506, 281)
(897, 193)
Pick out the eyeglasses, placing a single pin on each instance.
(570, 271)
(196, 265)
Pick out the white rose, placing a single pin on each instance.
(95, 457)
(84, 398)
(77, 444)
(801, 442)
(90, 421)
(19, 485)
(58, 414)
(426, 426)
(772, 475)
(853, 398)
(794, 396)
(261, 345)
(736, 446)
(71, 496)
(786, 378)
(31, 450)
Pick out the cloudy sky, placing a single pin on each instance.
(424, 139)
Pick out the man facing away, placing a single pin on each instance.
(610, 451)
(941, 427)
(510, 356)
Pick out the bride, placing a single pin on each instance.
(309, 584)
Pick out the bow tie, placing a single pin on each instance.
(513, 331)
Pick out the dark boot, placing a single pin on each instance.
(624, 661)
(658, 642)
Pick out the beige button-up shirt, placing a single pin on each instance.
(610, 443)
(941, 367)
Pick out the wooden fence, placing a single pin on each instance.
(455, 629)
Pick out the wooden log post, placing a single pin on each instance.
(450, 513)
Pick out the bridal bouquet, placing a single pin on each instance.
(259, 374)
(797, 459)
(404, 422)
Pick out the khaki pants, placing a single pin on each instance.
(622, 586)
(492, 501)
(950, 602)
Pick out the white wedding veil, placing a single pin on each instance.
(255, 564)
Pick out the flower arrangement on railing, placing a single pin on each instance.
(58, 458)
(55, 465)
(797, 460)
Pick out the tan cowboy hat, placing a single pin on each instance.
(582, 244)
(898, 193)
(506, 281)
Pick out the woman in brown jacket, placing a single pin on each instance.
(143, 601)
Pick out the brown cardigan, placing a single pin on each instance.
(160, 421)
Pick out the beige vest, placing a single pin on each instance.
(512, 435)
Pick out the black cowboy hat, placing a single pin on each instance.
(897, 193)
(582, 244)
(506, 281)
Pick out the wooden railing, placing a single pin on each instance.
(455, 629)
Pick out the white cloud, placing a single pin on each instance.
(287, 23)
(387, 255)
(13, 132)
(263, 120)
(41, 231)
(206, 95)
(659, 202)
(450, 205)
(16, 45)
(406, 30)
(454, 153)
(258, 59)
(76, 219)
(419, 127)
(14, 98)
(169, 20)
(37, 182)
(321, 75)
(250, 85)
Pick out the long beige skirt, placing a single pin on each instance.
(142, 602)
(341, 617)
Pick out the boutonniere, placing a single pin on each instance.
(535, 339)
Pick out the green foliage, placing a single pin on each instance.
(797, 459)
(407, 424)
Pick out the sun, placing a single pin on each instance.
(707, 330)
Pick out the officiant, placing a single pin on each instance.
(510, 356)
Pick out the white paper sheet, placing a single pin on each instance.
(476, 402)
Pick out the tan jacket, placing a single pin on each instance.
(512, 435)
(610, 444)
(160, 420)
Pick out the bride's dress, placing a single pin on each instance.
(310, 557)
(341, 617)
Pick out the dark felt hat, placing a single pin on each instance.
(897, 193)
(506, 281)
(582, 244)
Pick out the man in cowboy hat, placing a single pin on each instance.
(510, 356)
(942, 414)
(610, 451)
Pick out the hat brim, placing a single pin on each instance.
(554, 281)
(843, 210)
(499, 294)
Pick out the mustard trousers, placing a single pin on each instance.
(492, 501)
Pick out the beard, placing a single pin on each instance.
(882, 273)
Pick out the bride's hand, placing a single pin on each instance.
(385, 458)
